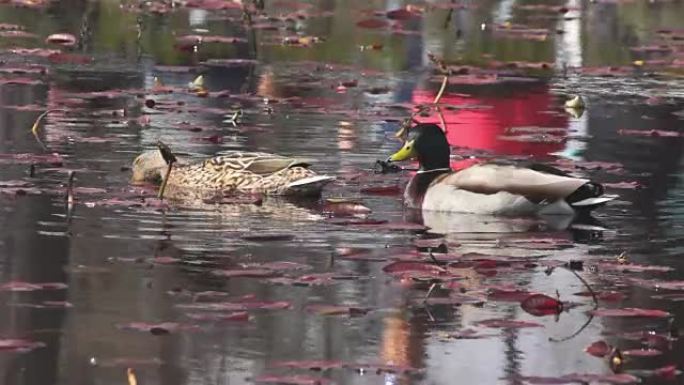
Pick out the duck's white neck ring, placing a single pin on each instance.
(434, 170)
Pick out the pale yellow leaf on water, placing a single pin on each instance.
(198, 82)
(345, 123)
(131, 377)
(638, 63)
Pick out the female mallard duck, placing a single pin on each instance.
(231, 173)
(489, 188)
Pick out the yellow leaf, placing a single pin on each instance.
(131, 377)
(198, 83)
(638, 63)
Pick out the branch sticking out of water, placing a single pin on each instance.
(591, 317)
(70, 188)
(170, 159)
(441, 89)
(34, 128)
(132, 380)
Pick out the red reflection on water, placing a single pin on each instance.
(481, 128)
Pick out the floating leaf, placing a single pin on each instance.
(508, 324)
(642, 352)
(631, 312)
(158, 328)
(541, 305)
(64, 39)
(310, 365)
(323, 309)
(19, 345)
(372, 23)
(238, 316)
(599, 349)
(299, 379)
(238, 306)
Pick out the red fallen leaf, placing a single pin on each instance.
(608, 296)
(623, 185)
(238, 306)
(599, 349)
(279, 266)
(299, 379)
(401, 267)
(247, 273)
(508, 324)
(18, 34)
(26, 286)
(158, 328)
(618, 379)
(668, 372)
(642, 352)
(344, 208)
(19, 345)
(541, 305)
(372, 23)
(267, 236)
(652, 133)
(238, 316)
(631, 312)
(400, 14)
(69, 58)
(310, 365)
(323, 309)
(383, 368)
(632, 267)
(54, 160)
(129, 362)
(46, 305)
(65, 39)
(165, 260)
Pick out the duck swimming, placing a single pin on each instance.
(489, 188)
(231, 173)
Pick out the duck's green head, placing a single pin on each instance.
(149, 167)
(426, 143)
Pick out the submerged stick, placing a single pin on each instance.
(34, 128)
(70, 188)
(442, 88)
(165, 181)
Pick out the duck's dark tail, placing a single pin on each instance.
(588, 197)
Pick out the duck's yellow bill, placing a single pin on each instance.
(406, 152)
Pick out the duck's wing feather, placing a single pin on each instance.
(255, 162)
(534, 185)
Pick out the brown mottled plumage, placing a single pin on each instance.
(231, 173)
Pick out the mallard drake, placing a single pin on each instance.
(489, 188)
(231, 173)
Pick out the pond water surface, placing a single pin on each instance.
(311, 79)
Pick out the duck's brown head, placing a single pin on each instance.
(149, 167)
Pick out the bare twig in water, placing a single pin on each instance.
(441, 89)
(591, 291)
(162, 189)
(448, 18)
(591, 317)
(131, 377)
(430, 290)
(34, 128)
(70, 188)
(441, 119)
(170, 159)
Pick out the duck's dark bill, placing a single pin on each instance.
(406, 152)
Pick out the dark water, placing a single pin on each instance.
(292, 105)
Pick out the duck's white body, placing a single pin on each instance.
(504, 190)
